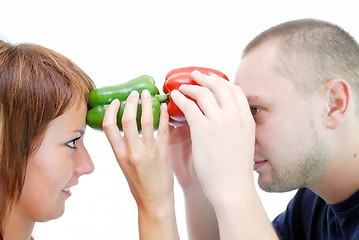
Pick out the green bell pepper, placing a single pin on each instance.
(105, 95)
(100, 98)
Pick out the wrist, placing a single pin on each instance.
(230, 194)
(247, 209)
(158, 208)
(157, 221)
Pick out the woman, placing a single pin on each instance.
(43, 102)
(43, 105)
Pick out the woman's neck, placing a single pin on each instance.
(17, 225)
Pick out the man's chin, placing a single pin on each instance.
(273, 187)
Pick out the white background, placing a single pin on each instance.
(115, 41)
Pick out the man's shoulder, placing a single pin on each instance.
(308, 216)
(303, 205)
(305, 193)
(305, 199)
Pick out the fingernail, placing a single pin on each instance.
(183, 87)
(164, 106)
(145, 93)
(133, 93)
(174, 92)
(115, 101)
(196, 72)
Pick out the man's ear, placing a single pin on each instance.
(339, 96)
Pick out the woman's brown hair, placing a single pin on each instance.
(36, 86)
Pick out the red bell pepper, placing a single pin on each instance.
(174, 79)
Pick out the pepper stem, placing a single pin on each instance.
(162, 98)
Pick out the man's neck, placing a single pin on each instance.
(340, 181)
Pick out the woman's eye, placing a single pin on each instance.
(72, 143)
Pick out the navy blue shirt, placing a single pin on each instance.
(310, 217)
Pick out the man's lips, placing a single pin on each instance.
(258, 163)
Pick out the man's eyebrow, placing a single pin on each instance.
(254, 99)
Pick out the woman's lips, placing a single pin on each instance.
(67, 191)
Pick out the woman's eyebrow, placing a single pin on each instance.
(81, 131)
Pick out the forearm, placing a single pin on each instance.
(242, 216)
(158, 222)
(201, 218)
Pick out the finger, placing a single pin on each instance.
(204, 79)
(109, 126)
(163, 127)
(147, 116)
(241, 100)
(220, 87)
(129, 123)
(204, 97)
(189, 108)
(175, 123)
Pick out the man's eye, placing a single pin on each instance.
(255, 110)
(72, 143)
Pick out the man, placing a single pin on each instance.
(293, 114)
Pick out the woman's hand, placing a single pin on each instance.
(145, 163)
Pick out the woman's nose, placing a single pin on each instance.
(84, 164)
